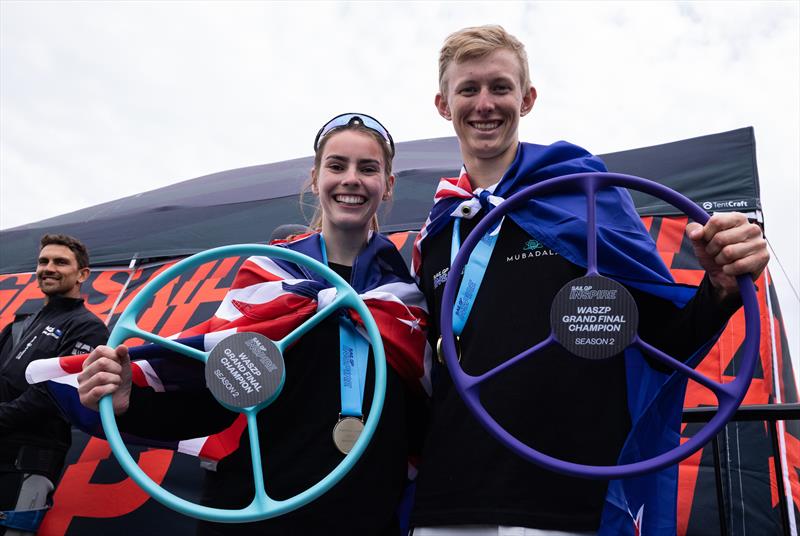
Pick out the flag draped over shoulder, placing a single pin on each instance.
(625, 250)
(644, 505)
(271, 297)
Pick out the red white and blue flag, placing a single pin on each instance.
(271, 297)
(625, 249)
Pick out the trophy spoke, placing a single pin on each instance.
(719, 390)
(261, 497)
(591, 226)
(341, 300)
(169, 344)
(474, 381)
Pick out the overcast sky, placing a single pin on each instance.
(100, 100)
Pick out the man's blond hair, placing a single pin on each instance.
(479, 41)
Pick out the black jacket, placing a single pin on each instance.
(572, 408)
(28, 417)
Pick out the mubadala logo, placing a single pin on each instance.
(531, 250)
(715, 205)
(532, 245)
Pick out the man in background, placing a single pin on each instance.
(34, 437)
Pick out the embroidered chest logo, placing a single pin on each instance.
(81, 348)
(532, 245)
(532, 249)
(50, 331)
(440, 278)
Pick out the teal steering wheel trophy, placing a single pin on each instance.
(264, 358)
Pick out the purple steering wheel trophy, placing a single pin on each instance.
(729, 395)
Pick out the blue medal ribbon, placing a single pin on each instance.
(353, 352)
(473, 272)
(353, 356)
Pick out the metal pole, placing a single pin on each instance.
(771, 413)
(783, 504)
(723, 522)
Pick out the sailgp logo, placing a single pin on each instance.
(260, 351)
(586, 292)
(440, 278)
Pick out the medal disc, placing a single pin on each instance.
(594, 317)
(346, 433)
(440, 351)
(245, 370)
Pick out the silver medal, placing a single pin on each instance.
(346, 433)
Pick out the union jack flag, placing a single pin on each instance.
(270, 297)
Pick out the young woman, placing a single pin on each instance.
(351, 177)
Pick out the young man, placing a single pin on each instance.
(34, 438)
(568, 407)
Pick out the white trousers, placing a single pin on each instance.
(491, 530)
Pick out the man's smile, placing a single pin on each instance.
(485, 126)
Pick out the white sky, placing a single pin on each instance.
(100, 100)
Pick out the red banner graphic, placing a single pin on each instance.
(194, 296)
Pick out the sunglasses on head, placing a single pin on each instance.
(344, 120)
